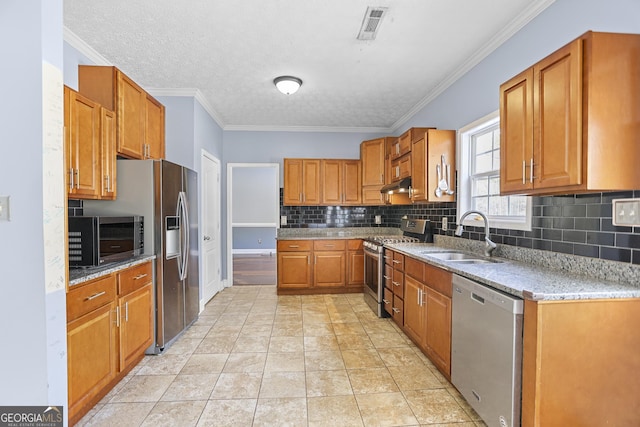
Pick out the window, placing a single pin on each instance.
(479, 177)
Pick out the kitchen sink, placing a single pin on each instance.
(459, 257)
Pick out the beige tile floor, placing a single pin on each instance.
(256, 359)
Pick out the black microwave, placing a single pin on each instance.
(98, 240)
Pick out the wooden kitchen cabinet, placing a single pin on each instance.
(401, 168)
(92, 343)
(372, 157)
(320, 266)
(109, 327)
(426, 154)
(82, 145)
(558, 118)
(302, 185)
(427, 311)
(580, 363)
(330, 263)
(341, 182)
(394, 281)
(140, 119)
(108, 154)
(355, 263)
(403, 144)
(295, 270)
(135, 303)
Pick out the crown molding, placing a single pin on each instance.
(193, 92)
(326, 129)
(82, 46)
(496, 41)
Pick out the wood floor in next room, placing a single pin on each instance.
(257, 359)
(254, 269)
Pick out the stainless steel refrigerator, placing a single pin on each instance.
(166, 195)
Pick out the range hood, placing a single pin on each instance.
(401, 186)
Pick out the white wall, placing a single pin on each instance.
(32, 306)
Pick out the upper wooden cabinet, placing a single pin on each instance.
(402, 145)
(139, 117)
(341, 182)
(372, 156)
(301, 182)
(570, 122)
(89, 148)
(426, 158)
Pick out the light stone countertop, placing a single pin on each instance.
(81, 275)
(526, 280)
(522, 272)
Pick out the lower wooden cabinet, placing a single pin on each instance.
(109, 327)
(320, 266)
(427, 311)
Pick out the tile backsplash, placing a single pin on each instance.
(570, 224)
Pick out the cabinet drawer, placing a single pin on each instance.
(387, 300)
(388, 276)
(398, 261)
(134, 278)
(414, 268)
(90, 296)
(329, 245)
(398, 283)
(388, 257)
(295, 245)
(354, 245)
(438, 279)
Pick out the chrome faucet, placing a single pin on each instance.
(489, 245)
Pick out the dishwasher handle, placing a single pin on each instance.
(477, 298)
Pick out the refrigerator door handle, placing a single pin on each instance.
(183, 213)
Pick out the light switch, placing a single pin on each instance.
(378, 219)
(626, 212)
(4, 208)
(283, 220)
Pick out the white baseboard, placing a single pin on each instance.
(253, 251)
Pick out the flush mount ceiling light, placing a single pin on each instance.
(287, 84)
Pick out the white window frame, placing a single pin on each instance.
(464, 181)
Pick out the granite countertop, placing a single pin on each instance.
(526, 280)
(81, 275)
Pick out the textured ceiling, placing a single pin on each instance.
(231, 50)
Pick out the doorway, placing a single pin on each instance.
(253, 212)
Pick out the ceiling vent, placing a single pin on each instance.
(371, 22)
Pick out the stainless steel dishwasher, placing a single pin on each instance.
(486, 347)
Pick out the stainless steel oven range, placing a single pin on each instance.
(414, 230)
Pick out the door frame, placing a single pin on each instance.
(229, 238)
(207, 156)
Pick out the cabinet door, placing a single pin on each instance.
(311, 182)
(294, 270)
(372, 157)
(414, 309)
(92, 350)
(516, 133)
(438, 330)
(82, 117)
(401, 168)
(108, 153)
(136, 324)
(419, 171)
(355, 263)
(329, 269)
(292, 188)
(372, 196)
(154, 129)
(440, 143)
(557, 118)
(351, 182)
(331, 182)
(131, 117)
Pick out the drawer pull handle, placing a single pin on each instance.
(385, 301)
(396, 310)
(395, 261)
(126, 311)
(294, 246)
(140, 276)
(395, 283)
(117, 316)
(94, 296)
(387, 277)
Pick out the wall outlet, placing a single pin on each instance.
(445, 225)
(259, 241)
(283, 220)
(4, 208)
(626, 212)
(378, 219)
